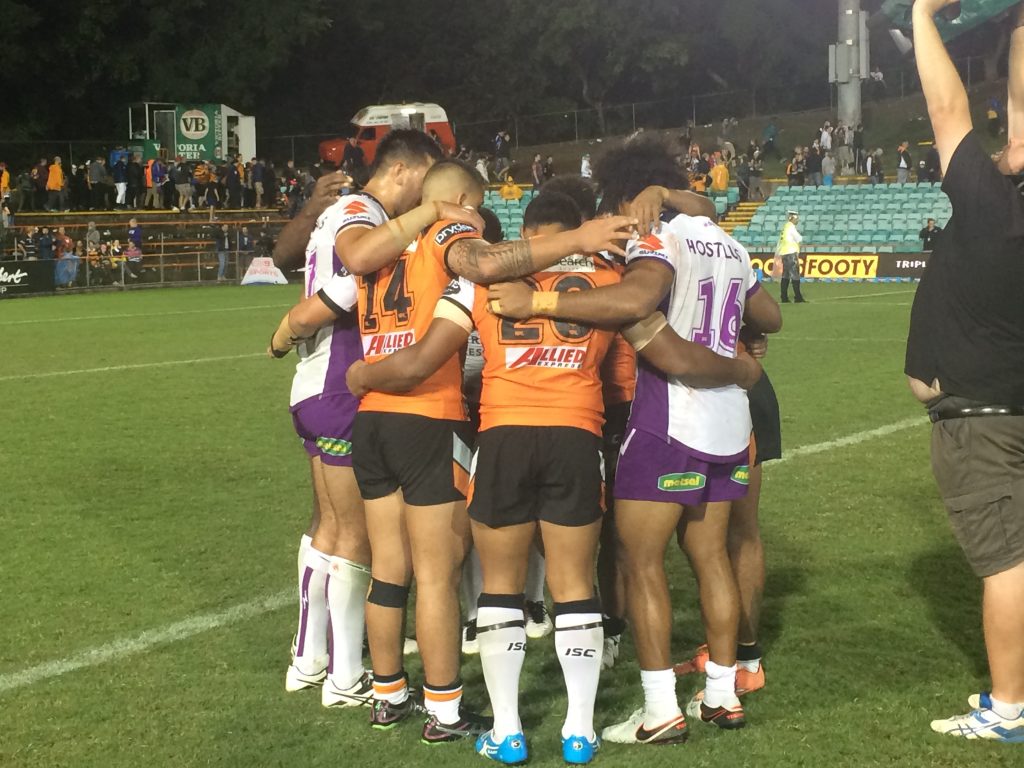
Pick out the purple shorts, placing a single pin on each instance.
(654, 469)
(325, 426)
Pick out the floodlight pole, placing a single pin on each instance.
(852, 37)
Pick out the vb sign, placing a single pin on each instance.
(194, 125)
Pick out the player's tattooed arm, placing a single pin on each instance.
(483, 263)
(364, 250)
(407, 368)
(693, 364)
(643, 287)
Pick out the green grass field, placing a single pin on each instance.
(151, 483)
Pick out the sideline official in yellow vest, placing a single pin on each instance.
(788, 252)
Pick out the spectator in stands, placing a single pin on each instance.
(877, 78)
(904, 163)
(549, 168)
(769, 139)
(537, 171)
(502, 154)
(933, 164)
(92, 237)
(40, 174)
(100, 265)
(135, 233)
(994, 114)
(136, 182)
(156, 174)
(27, 248)
(815, 175)
(828, 169)
(181, 177)
(201, 180)
(45, 245)
(719, 178)
(510, 190)
(233, 181)
(825, 138)
(246, 249)
(788, 250)
(55, 195)
(586, 169)
(26, 192)
(62, 244)
(481, 168)
(796, 169)
(929, 234)
(119, 173)
(67, 264)
(743, 177)
(97, 178)
(258, 175)
(223, 245)
(5, 180)
(756, 174)
(873, 166)
(6, 219)
(859, 155)
(353, 161)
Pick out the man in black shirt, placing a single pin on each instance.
(965, 360)
(929, 234)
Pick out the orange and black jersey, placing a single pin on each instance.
(541, 372)
(396, 307)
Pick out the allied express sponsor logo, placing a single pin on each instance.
(570, 358)
(741, 475)
(682, 481)
(387, 343)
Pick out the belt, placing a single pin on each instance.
(975, 411)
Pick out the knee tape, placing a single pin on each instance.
(387, 595)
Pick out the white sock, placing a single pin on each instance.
(1006, 710)
(660, 702)
(750, 666)
(346, 599)
(501, 654)
(472, 583)
(720, 690)
(579, 643)
(304, 544)
(311, 640)
(394, 691)
(535, 572)
(443, 703)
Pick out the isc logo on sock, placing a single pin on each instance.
(587, 653)
(516, 647)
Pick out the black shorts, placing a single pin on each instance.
(528, 474)
(764, 413)
(427, 458)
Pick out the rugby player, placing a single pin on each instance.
(537, 463)
(411, 487)
(685, 456)
(336, 564)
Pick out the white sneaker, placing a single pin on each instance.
(360, 694)
(470, 645)
(297, 680)
(411, 647)
(611, 651)
(982, 723)
(632, 731)
(538, 622)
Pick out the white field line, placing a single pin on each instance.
(80, 318)
(172, 633)
(863, 296)
(130, 367)
(183, 630)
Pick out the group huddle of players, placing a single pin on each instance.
(581, 392)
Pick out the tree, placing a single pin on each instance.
(604, 44)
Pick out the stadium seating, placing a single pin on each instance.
(509, 212)
(860, 218)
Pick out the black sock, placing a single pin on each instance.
(748, 652)
(614, 625)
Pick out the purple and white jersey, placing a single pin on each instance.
(324, 359)
(713, 279)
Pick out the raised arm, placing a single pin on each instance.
(364, 250)
(645, 284)
(291, 242)
(944, 93)
(1015, 95)
(483, 263)
(648, 205)
(694, 365)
